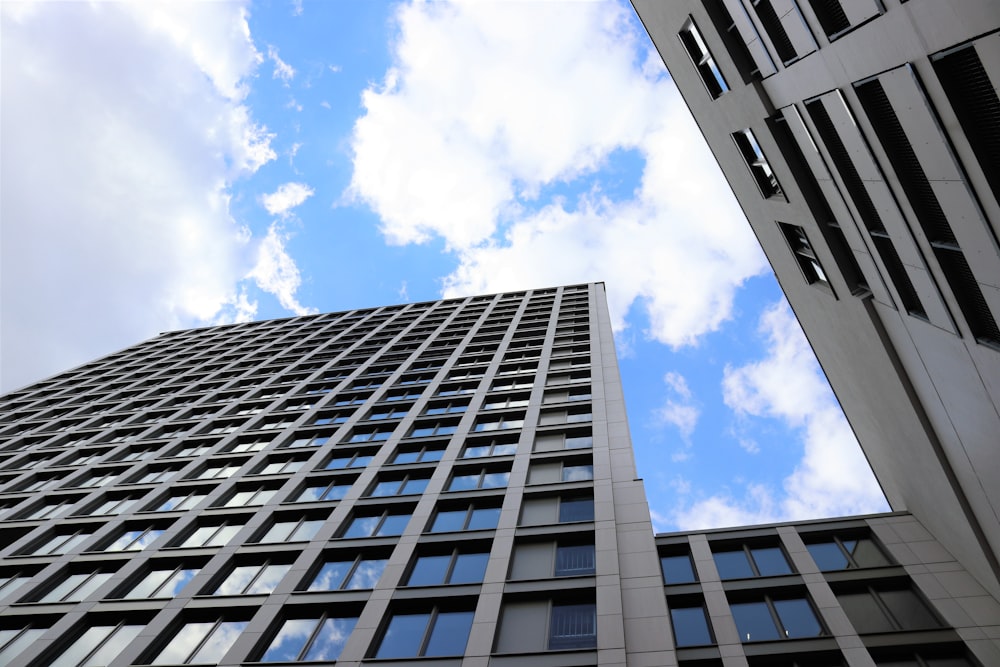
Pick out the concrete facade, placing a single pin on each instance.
(858, 137)
(448, 483)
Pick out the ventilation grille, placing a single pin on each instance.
(831, 16)
(928, 210)
(976, 104)
(856, 189)
(772, 24)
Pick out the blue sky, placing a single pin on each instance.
(176, 165)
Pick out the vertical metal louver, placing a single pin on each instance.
(866, 208)
(831, 16)
(976, 105)
(928, 210)
(772, 25)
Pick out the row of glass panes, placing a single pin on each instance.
(746, 561)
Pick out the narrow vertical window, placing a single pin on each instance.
(702, 58)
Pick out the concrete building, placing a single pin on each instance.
(447, 483)
(861, 138)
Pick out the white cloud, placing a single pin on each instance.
(282, 70)
(487, 104)
(286, 197)
(276, 272)
(832, 477)
(115, 192)
(679, 410)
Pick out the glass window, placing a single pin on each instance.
(252, 579)
(845, 553)
(162, 583)
(437, 633)
(690, 626)
(334, 490)
(310, 639)
(14, 640)
(577, 473)
(696, 48)
(470, 518)
(770, 619)
(181, 501)
(885, 609)
(357, 574)
(352, 461)
(298, 530)
(212, 536)
(453, 568)
(11, 581)
(677, 569)
(479, 479)
(400, 487)
(134, 540)
(59, 543)
(201, 642)
(576, 509)
(422, 455)
(573, 626)
(252, 496)
(574, 559)
(77, 586)
(745, 562)
(759, 168)
(476, 449)
(377, 526)
(97, 646)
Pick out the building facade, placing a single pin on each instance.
(447, 483)
(860, 138)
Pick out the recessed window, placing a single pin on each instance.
(435, 633)
(421, 455)
(495, 447)
(846, 553)
(319, 638)
(770, 619)
(426, 429)
(690, 625)
(390, 412)
(134, 540)
(370, 435)
(360, 573)
(498, 423)
(377, 525)
(279, 467)
(511, 401)
(13, 641)
(800, 246)
(575, 560)
(886, 608)
(300, 529)
(702, 59)
(200, 643)
(406, 485)
(450, 568)
(76, 586)
(252, 579)
(355, 460)
(317, 490)
(181, 500)
(751, 561)
(247, 496)
(161, 583)
(97, 646)
(57, 544)
(466, 518)
(677, 569)
(214, 535)
(573, 626)
(577, 473)
(758, 165)
(576, 509)
(481, 478)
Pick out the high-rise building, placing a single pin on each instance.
(447, 483)
(862, 140)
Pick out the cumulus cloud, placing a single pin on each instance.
(287, 196)
(477, 118)
(831, 479)
(124, 126)
(679, 411)
(276, 272)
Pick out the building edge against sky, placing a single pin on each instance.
(860, 138)
(450, 481)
